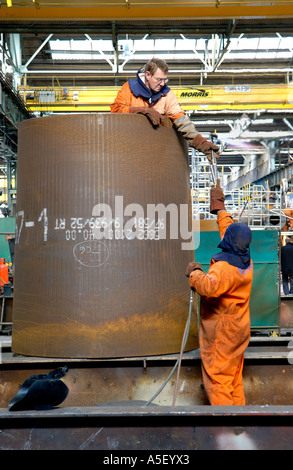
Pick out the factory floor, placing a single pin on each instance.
(105, 409)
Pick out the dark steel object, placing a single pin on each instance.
(78, 296)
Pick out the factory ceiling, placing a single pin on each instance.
(206, 44)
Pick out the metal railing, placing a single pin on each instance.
(254, 205)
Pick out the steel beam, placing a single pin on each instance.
(165, 28)
(135, 10)
(115, 428)
(268, 377)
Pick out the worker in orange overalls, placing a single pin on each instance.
(224, 310)
(149, 94)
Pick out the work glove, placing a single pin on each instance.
(201, 144)
(153, 115)
(217, 198)
(192, 267)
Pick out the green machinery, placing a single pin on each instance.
(7, 227)
(264, 301)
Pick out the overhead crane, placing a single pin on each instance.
(142, 9)
(233, 97)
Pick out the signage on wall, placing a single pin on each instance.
(196, 93)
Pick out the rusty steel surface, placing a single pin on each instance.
(112, 429)
(266, 382)
(286, 313)
(78, 292)
(91, 384)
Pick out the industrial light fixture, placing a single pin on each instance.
(9, 3)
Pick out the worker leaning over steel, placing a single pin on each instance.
(224, 307)
(149, 94)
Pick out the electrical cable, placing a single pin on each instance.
(178, 362)
(183, 343)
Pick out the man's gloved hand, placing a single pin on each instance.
(192, 267)
(153, 115)
(217, 199)
(201, 144)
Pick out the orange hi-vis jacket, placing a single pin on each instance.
(166, 105)
(225, 325)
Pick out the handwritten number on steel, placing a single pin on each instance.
(19, 226)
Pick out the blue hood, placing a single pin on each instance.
(235, 246)
(139, 89)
